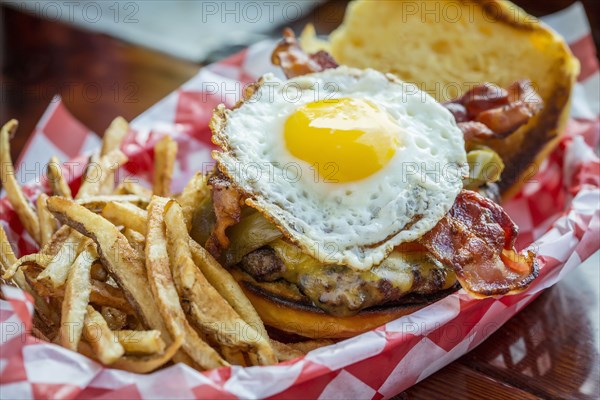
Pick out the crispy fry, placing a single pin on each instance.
(207, 309)
(126, 215)
(7, 255)
(48, 224)
(284, 352)
(227, 287)
(101, 338)
(134, 189)
(234, 356)
(114, 135)
(56, 179)
(57, 270)
(142, 365)
(8, 261)
(99, 169)
(192, 196)
(97, 203)
(140, 342)
(115, 318)
(165, 152)
(135, 239)
(39, 259)
(118, 257)
(165, 293)
(77, 295)
(102, 294)
(112, 139)
(14, 193)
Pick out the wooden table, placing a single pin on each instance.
(549, 350)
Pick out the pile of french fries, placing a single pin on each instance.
(117, 276)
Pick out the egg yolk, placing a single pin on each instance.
(344, 139)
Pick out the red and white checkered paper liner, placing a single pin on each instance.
(559, 209)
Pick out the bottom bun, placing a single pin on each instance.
(302, 319)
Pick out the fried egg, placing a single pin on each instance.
(348, 163)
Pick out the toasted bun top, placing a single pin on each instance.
(446, 47)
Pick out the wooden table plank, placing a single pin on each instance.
(458, 381)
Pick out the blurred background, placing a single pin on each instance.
(108, 58)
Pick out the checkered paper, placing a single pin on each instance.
(558, 214)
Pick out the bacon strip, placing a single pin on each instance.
(295, 62)
(476, 238)
(490, 112)
(226, 203)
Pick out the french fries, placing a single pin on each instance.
(140, 342)
(48, 224)
(98, 170)
(114, 135)
(227, 287)
(193, 194)
(56, 179)
(127, 215)
(122, 281)
(77, 295)
(205, 306)
(164, 161)
(97, 333)
(284, 352)
(97, 203)
(163, 288)
(133, 188)
(112, 139)
(117, 255)
(14, 193)
(56, 271)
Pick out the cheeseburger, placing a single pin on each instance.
(344, 198)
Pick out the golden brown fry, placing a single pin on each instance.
(112, 139)
(114, 135)
(140, 342)
(165, 152)
(7, 255)
(227, 287)
(133, 188)
(165, 293)
(77, 296)
(127, 215)
(118, 257)
(57, 270)
(56, 179)
(14, 193)
(195, 191)
(99, 169)
(48, 224)
(115, 318)
(135, 239)
(97, 203)
(208, 310)
(43, 310)
(234, 356)
(7, 258)
(284, 352)
(142, 365)
(101, 338)
(39, 259)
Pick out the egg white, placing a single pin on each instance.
(354, 223)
